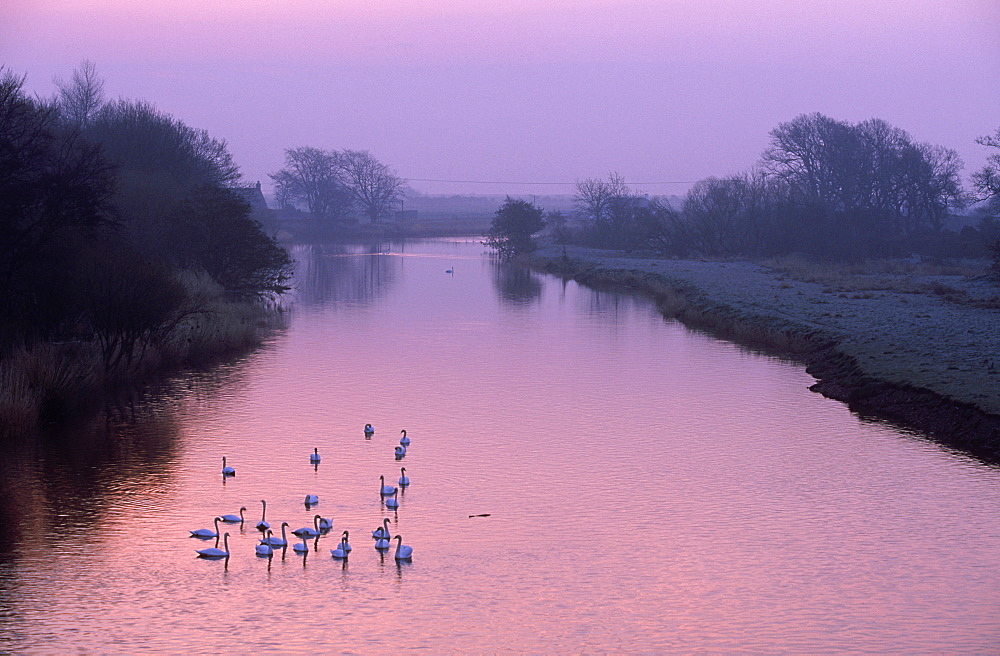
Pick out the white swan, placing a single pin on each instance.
(301, 548)
(382, 531)
(386, 489)
(400, 451)
(207, 532)
(227, 471)
(343, 549)
(382, 543)
(277, 542)
(403, 551)
(265, 548)
(215, 552)
(314, 456)
(311, 499)
(404, 440)
(403, 478)
(325, 524)
(309, 531)
(368, 429)
(392, 502)
(234, 519)
(263, 525)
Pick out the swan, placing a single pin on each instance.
(325, 524)
(311, 499)
(403, 478)
(403, 551)
(277, 542)
(314, 456)
(234, 519)
(227, 471)
(404, 440)
(392, 502)
(386, 489)
(400, 451)
(207, 532)
(215, 552)
(262, 525)
(301, 548)
(382, 543)
(309, 531)
(343, 548)
(265, 548)
(451, 270)
(382, 531)
(368, 429)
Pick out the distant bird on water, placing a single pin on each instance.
(227, 471)
(314, 456)
(405, 441)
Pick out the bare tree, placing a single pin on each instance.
(987, 180)
(868, 180)
(81, 97)
(374, 185)
(313, 176)
(594, 196)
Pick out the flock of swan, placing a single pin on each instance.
(321, 525)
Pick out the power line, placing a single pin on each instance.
(511, 182)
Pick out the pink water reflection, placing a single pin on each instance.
(649, 489)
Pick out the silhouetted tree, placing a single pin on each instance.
(313, 176)
(55, 193)
(986, 181)
(81, 98)
(213, 230)
(866, 183)
(131, 301)
(512, 228)
(594, 197)
(373, 184)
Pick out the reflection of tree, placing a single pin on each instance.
(58, 485)
(516, 285)
(338, 272)
(63, 483)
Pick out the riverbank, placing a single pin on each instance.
(51, 384)
(920, 351)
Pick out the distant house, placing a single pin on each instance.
(252, 195)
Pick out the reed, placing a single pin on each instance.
(53, 383)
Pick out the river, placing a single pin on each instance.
(586, 476)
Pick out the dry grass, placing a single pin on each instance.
(893, 275)
(55, 382)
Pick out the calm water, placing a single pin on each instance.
(649, 490)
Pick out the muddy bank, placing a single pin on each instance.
(914, 359)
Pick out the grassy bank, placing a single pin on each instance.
(828, 350)
(54, 383)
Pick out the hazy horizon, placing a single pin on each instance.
(551, 92)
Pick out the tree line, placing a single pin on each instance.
(333, 184)
(117, 222)
(824, 187)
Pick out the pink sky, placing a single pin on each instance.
(668, 90)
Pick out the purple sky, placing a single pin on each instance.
(519, 90)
